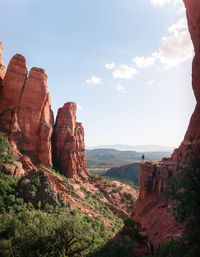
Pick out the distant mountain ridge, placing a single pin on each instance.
(115, 158)
(137, 148)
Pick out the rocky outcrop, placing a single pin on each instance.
(155, 215)
(193, 132)
(68, 143)
(150, 209)
(25, 110)
(2, 66)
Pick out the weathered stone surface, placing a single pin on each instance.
(68, 143)
(2, 66)
(25, 110)
(150, 208)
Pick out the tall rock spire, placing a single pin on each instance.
(68, 143)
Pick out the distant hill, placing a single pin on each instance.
(126, 172)
(115, 158)
(137, 148)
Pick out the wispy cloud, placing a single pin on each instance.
(79, 107)
(124, 72)
(177, 47)
(151, 82)
(142, 62)
(120, 88)
(163, 2)
(110, 66)
(93, 80)
(174, 49)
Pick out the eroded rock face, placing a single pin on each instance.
(68, 143)
(150, 208)
(25, 110)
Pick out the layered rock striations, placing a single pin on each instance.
(68, 143)
(150, 209)
(25, 110)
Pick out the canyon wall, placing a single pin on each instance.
(150, 209)
(25, 110)
(68, 143)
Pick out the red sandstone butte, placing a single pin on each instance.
(2, 66)
(150, 209)
(25, 110)
(68, 143)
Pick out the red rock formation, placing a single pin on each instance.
(2, 67)
(68, 143)
(150, 209)
(25, 113)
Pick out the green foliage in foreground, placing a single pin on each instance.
(128, 238)
(185, 190)
(51, 231)
(6, 154)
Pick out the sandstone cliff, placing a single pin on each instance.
(150, 208)
(25, 110)
(68, 143)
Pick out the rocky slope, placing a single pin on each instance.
(150, 208)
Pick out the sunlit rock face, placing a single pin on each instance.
(68, 143)
(150, 209)
(25, 110)
(2, 66)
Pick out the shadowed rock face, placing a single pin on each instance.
(150, 209)
(68, 142)
(25, 112)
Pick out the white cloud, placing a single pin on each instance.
(110, 66)
(163, 2)
(93, 80)
(151, 82)
(79, 107)
(142, 62)
(174, 49)
(178, 27)
(124, 72)
(178, 47)
(120, 88)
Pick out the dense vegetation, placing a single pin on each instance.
(34, 221)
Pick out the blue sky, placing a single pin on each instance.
(126, 63)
